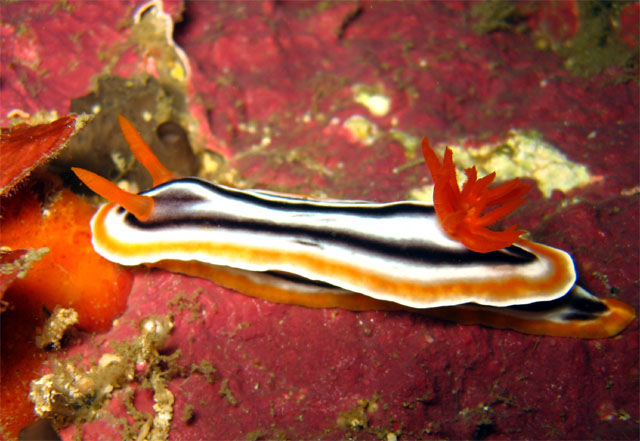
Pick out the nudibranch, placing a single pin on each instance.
(441, 260)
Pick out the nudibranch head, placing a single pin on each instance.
(139, 205)
(461, 212)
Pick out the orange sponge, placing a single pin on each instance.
(71, 274)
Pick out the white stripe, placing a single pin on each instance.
(419, 231)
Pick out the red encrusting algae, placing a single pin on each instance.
(23, 148)
(427, 379)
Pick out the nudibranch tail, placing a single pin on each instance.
(139, 205)
(577, 314)
(140, 149)
(461, 213)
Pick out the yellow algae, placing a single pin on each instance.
(76, 392)
(410, 143)
(372, 98)
(423, 194)
(55, 327)
(23, 263)
(361, 129)
(522, 154)
(153, 32)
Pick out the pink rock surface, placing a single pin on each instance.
(300, 373)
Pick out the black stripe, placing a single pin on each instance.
(288, 203)
(299, 280)
(577, 305)
(172, 199)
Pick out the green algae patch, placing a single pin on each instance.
(604, 35)
(598, 44)
(500, 15)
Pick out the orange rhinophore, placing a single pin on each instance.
(159, 173)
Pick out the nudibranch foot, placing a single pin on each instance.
(577, 314)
